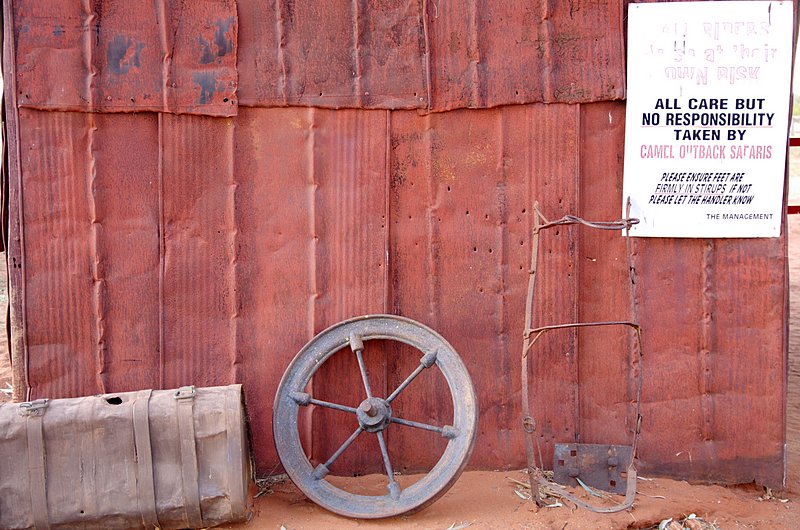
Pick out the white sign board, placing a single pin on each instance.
(707, 117)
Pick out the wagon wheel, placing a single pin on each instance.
(374, 416)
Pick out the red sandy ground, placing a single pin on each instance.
(482, 499)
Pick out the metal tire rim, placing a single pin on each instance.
(291, 397)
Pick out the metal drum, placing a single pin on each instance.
(147, 459)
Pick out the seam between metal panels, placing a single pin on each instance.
(166, 61)
(98, 280)
(357, 55)
(161, 252)
(432, 232)
(707, 340)
(280, 31)
(88, 52)
(545, 38)
(427, 65)
(573, 241)
(504, 232)
(233, 257)
(785, 342)
(636, 340)
(16, 236)
(623, 45)
(473, 51)
(311, 186)
(387, 226)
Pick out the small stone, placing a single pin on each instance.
(693, 524)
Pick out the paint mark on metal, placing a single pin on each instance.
(58, 31)
(207, 81)
(123, 54)
(222, 45)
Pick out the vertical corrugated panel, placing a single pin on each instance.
(91, 195)
(463, 185)
(742, 366)
(276, 278)
(60, 261)
(119, 56)
(124, 198)
(670, 269)
(606, 384)
(366, 54)
(747, 378)
(349, 164)
(722, 373)
(199, 264)
(486, 54)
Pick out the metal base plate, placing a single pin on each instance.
(599, 466)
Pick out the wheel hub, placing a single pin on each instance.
(374, 414)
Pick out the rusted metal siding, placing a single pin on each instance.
(115, 56)
(190, 242)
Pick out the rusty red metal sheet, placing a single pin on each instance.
(118, 56)
(429, 55)
(188, 57)
(335, 213)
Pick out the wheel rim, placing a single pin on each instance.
(374, 416)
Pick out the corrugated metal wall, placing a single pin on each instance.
(197, 188)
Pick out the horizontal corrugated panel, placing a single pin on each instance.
(189, 57)
(424, 54)
(122, 56)
(333, 54)
(496, 52)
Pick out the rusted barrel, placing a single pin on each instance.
(147, 459)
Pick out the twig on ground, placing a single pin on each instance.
(265, 484)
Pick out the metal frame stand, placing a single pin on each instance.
(532, 335)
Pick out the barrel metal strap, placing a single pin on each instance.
(34, 411)
(145, 490)
(189, 471)
(235, 433)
